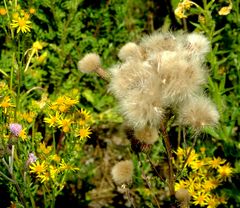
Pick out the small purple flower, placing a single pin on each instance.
(31, 159)
(15, 128)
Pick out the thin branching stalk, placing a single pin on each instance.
(171, 179)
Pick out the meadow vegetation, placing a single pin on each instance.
(119, 103)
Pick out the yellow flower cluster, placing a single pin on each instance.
(63, 113)
(50, 167)
(182, 7)
(21, 20)
(201, 175)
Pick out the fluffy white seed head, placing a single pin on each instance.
(125, 77)
(143, 107)
(147, 135)
(122, 172)
(180, 76)
(89, 63)
(157, 42)
(197, 44)
(198, 112)
(131, 51)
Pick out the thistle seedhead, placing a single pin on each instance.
(122, 172)
(158, 42)
(147, 135)
(197, 44)
(131, 51)
(198, 112)
(89, 63)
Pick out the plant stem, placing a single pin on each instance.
(171, 179)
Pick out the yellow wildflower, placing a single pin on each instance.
(45, 149)
(202, 150)
(216, 162)
(32, 11)
(38, 168)
(179, 11)
(55, 158)
(64, 166)
(225, 10)
(210, 184)
(84, 133)
(52, 120)
(45, 176)
(41, 59)
(65, 124)
(213, 202)
(70, 102)
(3, 11)
(22, 24)
(23, 134)
(201, 199)
(83, 116)
(225, 171)
(180, 185)
(37, 46)
(6, 103)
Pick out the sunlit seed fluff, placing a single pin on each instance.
(198, 112)
(131, 51)
(158, 41)
(180, 76)
(89, 63)
(122, 172)
(143, 107)
(197, 43)
(130, 75)
(147, 135)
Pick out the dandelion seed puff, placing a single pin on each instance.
(157, 42)
(89, 63)
(143, 107)
(147, 135)
(197, 43)
(128, 76)
(122, 172)
(131, 50)
(198, 112)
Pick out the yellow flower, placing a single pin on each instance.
(52, 120)
(210, 184)
(55, 158)
(70, 102)
(3, 11)
(22, 24)
(180, 185)
(23, 134)
(179, 11)
(216, 162)
(201, 199)
(213, 202)
(64, 166)
(37, 46)
(65, 124)
(6, 103)
(84, 133)
(32, 11)
(225, 10)
(45, 149)
(202, 150)
(38, 168)
(44, 177)
(225, 171)
(83, 116)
